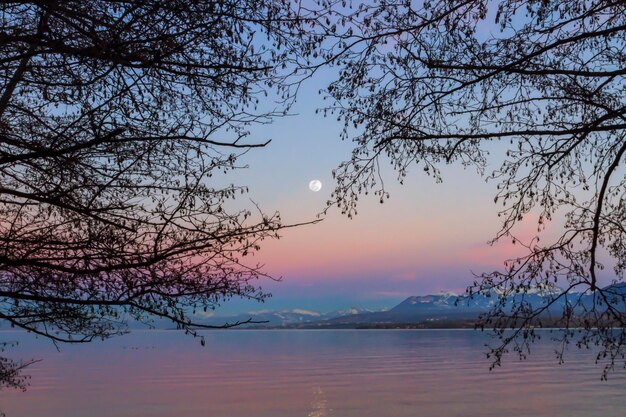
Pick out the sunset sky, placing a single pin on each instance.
(426, 238)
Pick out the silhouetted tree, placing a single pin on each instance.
(118, 120)
(10, 376)
(540, 84)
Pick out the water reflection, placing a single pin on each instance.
(307, 373)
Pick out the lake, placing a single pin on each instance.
(306, 373)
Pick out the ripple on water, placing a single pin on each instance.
(310, 373)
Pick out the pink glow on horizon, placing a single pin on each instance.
(427, 252)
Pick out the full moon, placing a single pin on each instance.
(315, 185)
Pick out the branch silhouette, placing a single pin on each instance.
(118, 121)
(534, 88)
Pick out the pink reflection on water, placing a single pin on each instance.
(306, 373)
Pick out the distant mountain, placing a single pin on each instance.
(347, 312)
(440, 307)
(282, 318)
(271, 318)
(618, 289)
(452, 310)
(434, 310)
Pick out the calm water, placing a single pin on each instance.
(307, 374)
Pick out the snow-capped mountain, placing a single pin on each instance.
(286, 317)
(439, 308)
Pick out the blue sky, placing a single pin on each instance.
(419, 241)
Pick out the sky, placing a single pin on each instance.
(427, 238)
